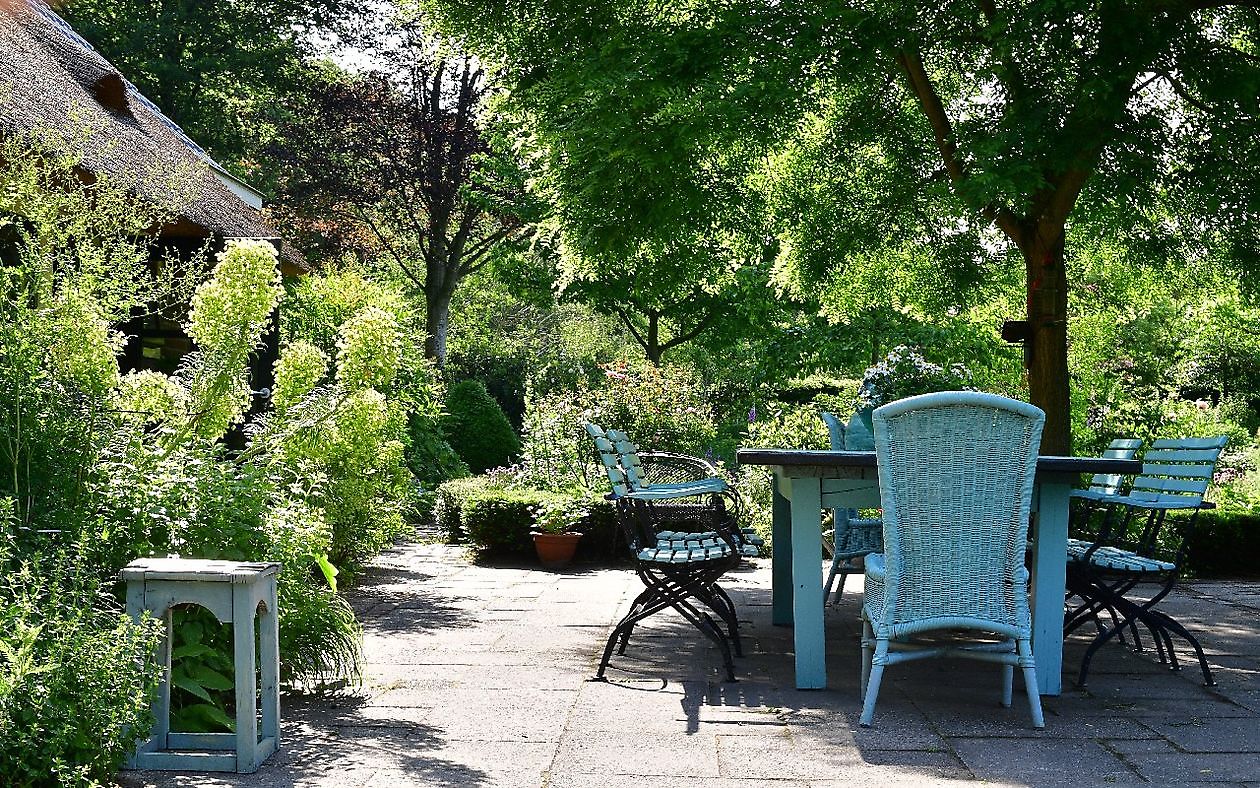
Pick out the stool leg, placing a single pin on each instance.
(269, 659)
(161, 704)
(246, 685)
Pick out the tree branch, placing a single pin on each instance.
(633, 331)
(921, 85)
(1183, 93)
(695, 331)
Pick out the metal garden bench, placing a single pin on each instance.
(1132, 563)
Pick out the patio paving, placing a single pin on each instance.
(477, 676)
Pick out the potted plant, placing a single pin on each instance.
(904, 372)
(556, 531)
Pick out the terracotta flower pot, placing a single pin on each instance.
(555, 550)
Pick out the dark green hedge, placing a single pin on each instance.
(495, 520)
(1224, 543)
(477, 428)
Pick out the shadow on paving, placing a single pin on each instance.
(393, 600)
(1137, 722)
(327, 741)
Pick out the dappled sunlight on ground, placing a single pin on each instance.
(479, 676)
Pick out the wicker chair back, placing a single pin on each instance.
(956, 477)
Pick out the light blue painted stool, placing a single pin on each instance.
(233, 592)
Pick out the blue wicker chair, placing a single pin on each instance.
(956, 478)
(852, 538)
(1132, 552)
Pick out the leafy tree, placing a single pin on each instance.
(403, 154)
(970, 126)
(218, 69)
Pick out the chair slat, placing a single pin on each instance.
(1184, 471)
(1164, 484)
(1215, 442)
(1182, 455)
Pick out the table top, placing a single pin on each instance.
(803, 458)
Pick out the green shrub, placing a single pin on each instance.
(501, 520)
(1225, 543)
(661, 410)
(477, 429)
(447, 511)
(75, 678)
(491, 517)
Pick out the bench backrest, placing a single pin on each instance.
(1176, 472)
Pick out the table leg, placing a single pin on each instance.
(781, 562)
(807, 601)
(1049, 580)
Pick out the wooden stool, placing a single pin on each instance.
(233, 592)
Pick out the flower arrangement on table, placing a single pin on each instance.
(904, 372)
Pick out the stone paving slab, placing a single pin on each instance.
(478, 676)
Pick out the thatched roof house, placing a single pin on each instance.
(53, 84)
(52, 80)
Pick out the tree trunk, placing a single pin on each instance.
(653, 348)
(437, 318)
(1048, 384)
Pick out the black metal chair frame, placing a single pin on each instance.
(1134, 526)
(673, 585)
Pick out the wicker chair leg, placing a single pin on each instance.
(868, 647)
(1008, 683)
(1023, 648)
(878, 660)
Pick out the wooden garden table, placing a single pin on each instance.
(807, 481)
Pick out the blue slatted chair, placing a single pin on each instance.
(853, 538)
(1087, 505)
(663, 472)
(956, 479)
(684, 536)
(1128, 568)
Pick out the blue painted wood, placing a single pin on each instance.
(238, 594)
(807, 597)
(1049, 577)
(848, 480)
(781, 560)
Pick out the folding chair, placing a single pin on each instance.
(1131, 552)
(683, 536)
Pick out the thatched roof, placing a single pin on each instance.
(53, 81)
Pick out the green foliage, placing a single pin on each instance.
(477, 428)
(226, 97)
(369, 350)
(492, 516)
(299, 370)
(230, 311)
(559, 516)
(661, 408)
(74, 681)
(776, 426)
(1224, 544)
(316, 311)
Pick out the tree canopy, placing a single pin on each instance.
(975, 133)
